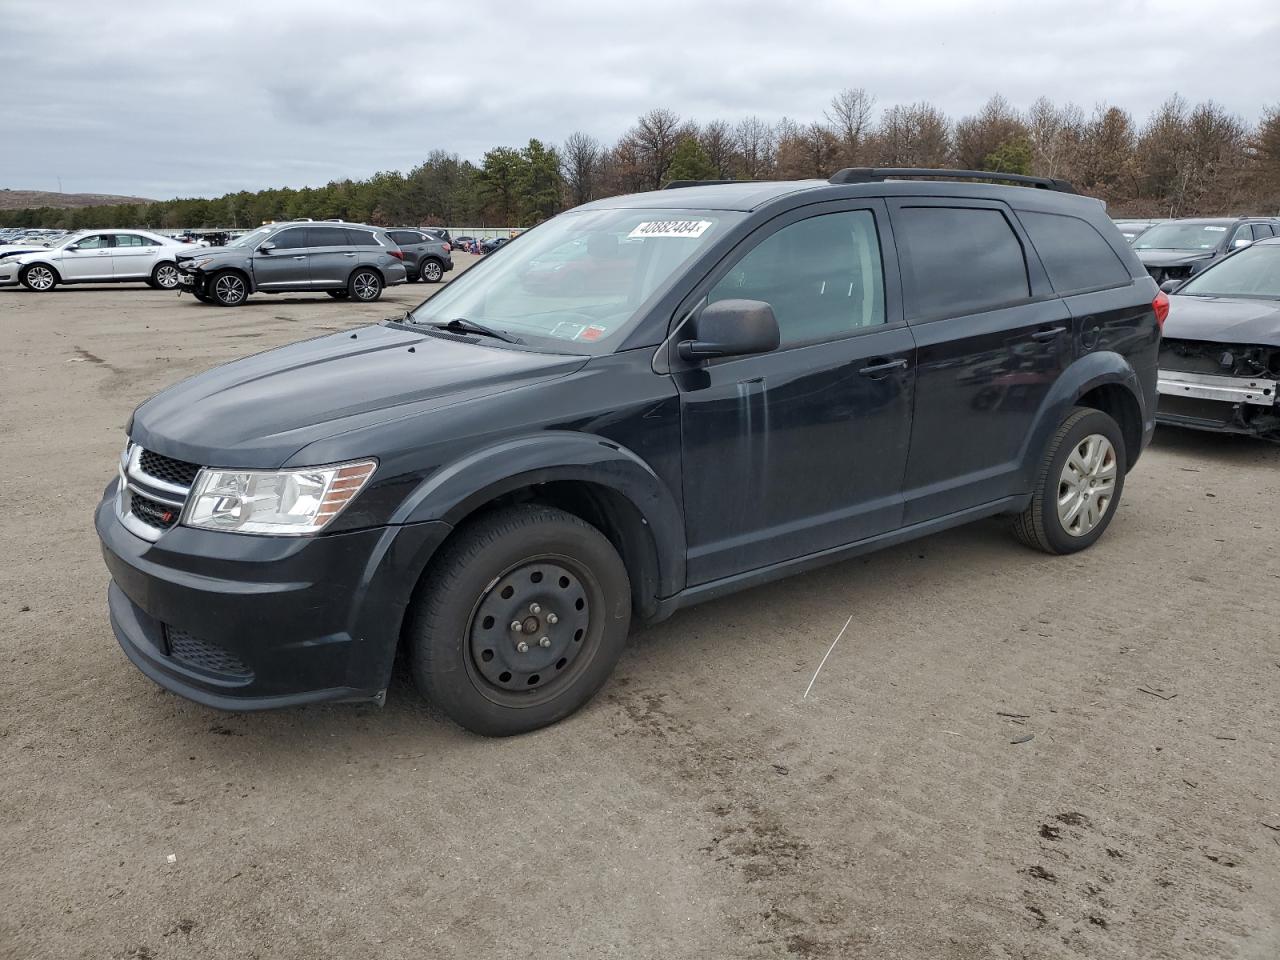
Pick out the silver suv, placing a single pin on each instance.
(342, 259)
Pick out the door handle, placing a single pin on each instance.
(1048, 334)
(883, 366)
(301, 256)
(348, 254)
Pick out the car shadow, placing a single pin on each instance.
(1224, 447)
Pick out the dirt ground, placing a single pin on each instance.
(700, 807)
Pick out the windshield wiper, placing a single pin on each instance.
(463, 325)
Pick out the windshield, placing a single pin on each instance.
(577, 281)
(1253, 272)
(249, 239)
(63, 241)
(1181, 236)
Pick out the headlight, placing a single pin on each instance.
(199, 262)
(278, 502)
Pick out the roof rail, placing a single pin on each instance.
(677, 184)
(880, 174)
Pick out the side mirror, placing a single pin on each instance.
(732, 328)
(71, 247)
(266, 247)
(1242, 242)
(1170, 285)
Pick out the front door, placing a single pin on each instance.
(90, 260)
(800, 450)
(992, 340)
(285, 266)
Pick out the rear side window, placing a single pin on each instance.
(327, 237)
(959, 260)
(362, 238)
(1074, 254)
(1261, 231)
(133, 240)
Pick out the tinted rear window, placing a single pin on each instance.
(959, 260)
(1074, 254)
(328, 237)
(362, 238)
(404, 237)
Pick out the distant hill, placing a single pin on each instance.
(26, 199)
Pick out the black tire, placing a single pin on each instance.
(339, 294)
(365, 285)
(567, 585)
(164, 276)
(410, 277)
(1039, 526)
(39, 277)
(227, 288)
(202, 297)
(431, 271)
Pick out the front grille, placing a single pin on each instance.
(200, 654)
(178, 472)
(153, 514)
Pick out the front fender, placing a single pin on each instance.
(457, 489)
(1090, 371)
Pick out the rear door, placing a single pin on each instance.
(331, 257)
(132, 256)
(285, 266)
(991, 338)
(90, 260)
(789, 453)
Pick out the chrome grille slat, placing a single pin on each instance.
(151, 496)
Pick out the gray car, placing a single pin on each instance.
(426, 256)
(341, 259)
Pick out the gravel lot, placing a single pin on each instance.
(699, 807)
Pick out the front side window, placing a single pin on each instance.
(822, 276)
(290, 239)
(578, 282)
(1253, 273)
(959, 260)
(95, 242)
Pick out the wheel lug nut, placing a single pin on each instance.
(544, 642)
(535, 609)
(522, 647)
(552, 618)
(516, 626)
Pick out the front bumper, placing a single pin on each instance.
(8, 276)
(241, 622)
(1222, 404)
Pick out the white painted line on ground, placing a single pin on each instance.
(824, 659)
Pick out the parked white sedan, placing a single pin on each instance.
(97, 256)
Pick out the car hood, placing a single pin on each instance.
(1172, 258)
(1223, 320)
(259, 411)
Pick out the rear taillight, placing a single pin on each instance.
(399, 255)
(1161, 307)
(448, 247)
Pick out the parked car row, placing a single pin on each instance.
(340, 259)
(1179, 249)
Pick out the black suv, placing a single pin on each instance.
(647, 402)
(341, 259)
(1178, 249)
(426, 255)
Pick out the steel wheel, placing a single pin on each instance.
(1086, 486)
(166, 276)
(39, 277)
(432, 271)
(229, 290)
(365, 285)
(531, 629)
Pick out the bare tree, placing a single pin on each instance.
(1105, 165)
(580, 166)
(1054, 133)
(850, 119)
(655, 136)
(717, 141)
(756, 148)
(979, 136)
(915, 135)
(1265, 156)
(808, 151)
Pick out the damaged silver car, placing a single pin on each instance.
(1220, 355)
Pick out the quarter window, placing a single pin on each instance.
(362, 238)
(959, 260)
(822, 276)
(1074, 254)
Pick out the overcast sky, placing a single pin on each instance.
(196, 99)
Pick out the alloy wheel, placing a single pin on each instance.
(1087, 485)
(167, 276)
(39, 277)
(366, 286)
(229, 289)
(431, 272)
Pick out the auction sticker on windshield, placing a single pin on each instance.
(669, 228)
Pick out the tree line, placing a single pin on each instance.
(1182, 160)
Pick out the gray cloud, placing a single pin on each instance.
(161, 99)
